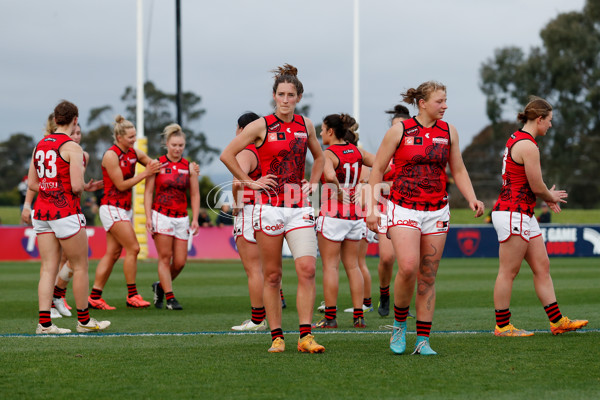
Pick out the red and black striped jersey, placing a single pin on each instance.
(283, 154)
(348, 171)
(420, 166)
(170, 187)
(56, 199)
(516, 194)
(112, 195)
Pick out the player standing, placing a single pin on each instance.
(518, 231)
(418, 213)
(166, 213)
(340, 225)
(282, 140)
(385, 268)
(118, 172)
(56, 172)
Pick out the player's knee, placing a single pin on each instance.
(306, 268)
(273, 279)
(407, 270)
(386, 260)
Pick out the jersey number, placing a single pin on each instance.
(46, 164)
(351, 173)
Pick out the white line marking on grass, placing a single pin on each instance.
(229, 333)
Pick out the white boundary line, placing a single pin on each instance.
(229, 333)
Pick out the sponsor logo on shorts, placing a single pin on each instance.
(407, 222)
(441, 224)
(273, 227)
(439, 140)
(169, 230)
(308, 218)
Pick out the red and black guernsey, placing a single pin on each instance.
(420, 166)
(388, 177)
(112, 195)
(516, 194)
(348, 171)
(283, 153)
(56, 199)
(170, 187)
(249, 195)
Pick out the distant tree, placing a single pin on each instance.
(483, 159)
(566, 72)
(15, 155)
(160, 111)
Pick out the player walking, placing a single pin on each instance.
(518, 231)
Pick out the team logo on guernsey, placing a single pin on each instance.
(468, 241)
(439, 140)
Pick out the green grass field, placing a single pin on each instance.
(190, 354)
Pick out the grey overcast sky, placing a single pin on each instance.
(85, 51)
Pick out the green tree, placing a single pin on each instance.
(565, 70)
(15, 155)
(483, 159)
(160, 111)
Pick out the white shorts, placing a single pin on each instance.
(428, 222)
(242, 224)
(508, 223)
(338, 230)
(111, 214)
(169, 226)
(62, 228)
(275, 221)
(382, 226)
